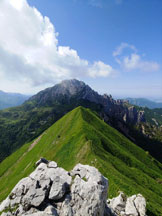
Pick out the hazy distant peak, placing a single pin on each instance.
(144, 102)
(11, 99)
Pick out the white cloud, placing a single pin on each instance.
(30, 53)
(101, 69)
(118, 51)
(17, 4)
(133, 61)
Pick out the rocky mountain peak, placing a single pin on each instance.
(72, 83)
(74, 91)
(66, 89)
(72, 87)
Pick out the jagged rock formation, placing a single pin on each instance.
(78, 90)
(50, 190)
(124, 206)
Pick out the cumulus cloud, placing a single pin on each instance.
(30, 51)
(133, 61)
(100, 69)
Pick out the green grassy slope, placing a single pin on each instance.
(80, 136)
(22, 124)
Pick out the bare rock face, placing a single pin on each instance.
(126, 206)
(117, 204)
(90, 189)
(50, 190)
(68, 89)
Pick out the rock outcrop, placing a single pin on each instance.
(50, 190)
(126, 206)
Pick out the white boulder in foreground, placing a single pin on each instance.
(51, 190)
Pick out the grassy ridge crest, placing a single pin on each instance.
(82, 137)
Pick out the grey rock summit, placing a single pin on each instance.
(51, 190)
(72, 90)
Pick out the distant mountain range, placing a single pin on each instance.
(143, 102)
(11, 99)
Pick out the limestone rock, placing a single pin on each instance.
(52, 164)
(49, 211)
(136, 205)
(125, 206)
(140, 204)
(51, 190)
(118, 203)
(4, 204)
(88, 191)
(130, 208)
(58, 188)
(6, 214)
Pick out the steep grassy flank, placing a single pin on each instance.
(81, 136)
(22, 124)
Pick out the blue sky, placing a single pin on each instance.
(115, 45)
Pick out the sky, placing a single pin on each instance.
(115, 46)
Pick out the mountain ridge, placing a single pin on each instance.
(74, 88)
(82, 137)
(24, 123)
